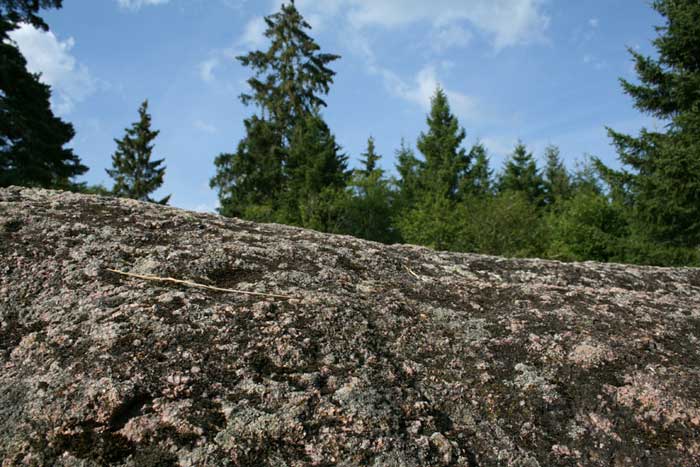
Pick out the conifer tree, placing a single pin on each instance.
(135, 175)
(315, 167)
(26, 11)
(370, 157)
(32, 138)
(663, 167)
(557, 181)
(408, 167)
(520, 174)
(446, 162)
(478, 181)
(370, 214)
(288, 82)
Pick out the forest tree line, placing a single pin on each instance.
(289, 168)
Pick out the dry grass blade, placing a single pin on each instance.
(172, 280)
(411, 272)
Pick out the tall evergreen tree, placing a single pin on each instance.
(289, 80)
(26, 11)
(32, 138)
(479, 179)
(135, 175)
(292, 75)
(370, 157)
(521, 174)
(408, 167)
(446, 162)
(369, 215)
(315, 166)
(250, 181)
(663, 167)
(557, 181)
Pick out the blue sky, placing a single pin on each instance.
(543, 71)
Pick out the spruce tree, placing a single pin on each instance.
(250, 181)
(408, 167)
(288, 82)
(370, 157)
(135, 175)
(369, 215)
(479, 179)
(446, 162)
(32, 138)
(26, 11)
(662, 168)
(520, 174)
(557, 181)
(292, 75)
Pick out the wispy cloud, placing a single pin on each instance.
(70, 81)
(137, 4)
(204, 126)
(506, 22)
(206, 69)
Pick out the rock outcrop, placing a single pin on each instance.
(381, 355)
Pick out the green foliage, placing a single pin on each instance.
(369, 214)
(290, 77)
(446, 162)
(135, 175)
(586, 227)
(662, 180)
(479, 179)
(315, 171)
(32, 138)
(408, 167)
(250, 181)
(288, 167)
(520, 174)
(557, 182)
(507, 224)
(26, 11)
(432, 222)
(370, 157)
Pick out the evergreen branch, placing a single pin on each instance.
(196, 285)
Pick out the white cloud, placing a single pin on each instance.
(204, 126)
(206, 69)
(254, 33)
(70, 81)
(451, 35)
(506, 22)
(137, 4)
(594, 23)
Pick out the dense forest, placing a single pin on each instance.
(290, 169)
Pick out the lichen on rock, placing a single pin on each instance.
(383, 355)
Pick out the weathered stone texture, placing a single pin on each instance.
(386, 355)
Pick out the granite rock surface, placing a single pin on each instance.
(381, 355)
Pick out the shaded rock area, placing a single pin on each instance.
(386, 355)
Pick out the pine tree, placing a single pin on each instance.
(446, 162)
(250, 181)
(289, 80)
(663, 175)
(370, 158)
(32, 138)
(408, 167)
(315, 166)
(26, 11)
(520, 174)
(557, 181)
(370, 213)
(290, 77)
(135, 175)
(478, 181)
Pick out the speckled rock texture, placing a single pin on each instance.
(385, 355)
